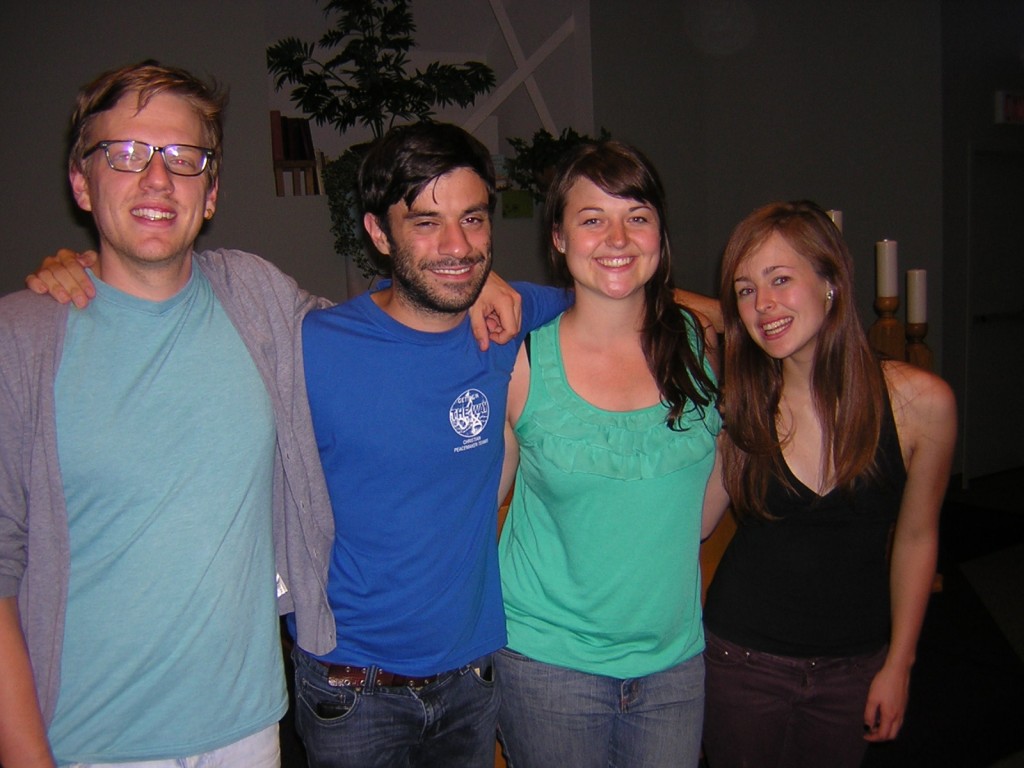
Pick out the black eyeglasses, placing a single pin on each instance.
(132, 156)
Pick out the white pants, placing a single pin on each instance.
(261, 750)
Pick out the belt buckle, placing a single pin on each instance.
(407, 681)
(340, 676)
(420, 684)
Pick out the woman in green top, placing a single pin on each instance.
(612, 406)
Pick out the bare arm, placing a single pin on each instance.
(712, 350)
(518, 389)
(716, 500)
(510, 464)
(925, 411)
(705, 305)
(23, 741)
(497, 313)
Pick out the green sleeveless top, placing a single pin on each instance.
(599, 553)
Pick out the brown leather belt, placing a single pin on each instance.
(342, 675)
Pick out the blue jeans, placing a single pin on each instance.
(556, 716)
(451, 722)
(768, 710)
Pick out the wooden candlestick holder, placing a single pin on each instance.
(886, 335)
(918, 352)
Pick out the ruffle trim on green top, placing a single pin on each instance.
(629, 445)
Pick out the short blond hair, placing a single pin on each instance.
(148, 79)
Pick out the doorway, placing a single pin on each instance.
(993, 422)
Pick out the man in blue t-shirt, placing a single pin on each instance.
(408, 414)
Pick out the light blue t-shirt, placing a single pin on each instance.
(166, 439)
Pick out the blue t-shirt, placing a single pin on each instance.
(410, 429)
(165, 435)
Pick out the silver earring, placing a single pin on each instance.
(830, 295)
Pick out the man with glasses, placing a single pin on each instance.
(156, 453)
(134, 156)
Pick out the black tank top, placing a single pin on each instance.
(815, 581)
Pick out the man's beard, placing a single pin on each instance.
(411, 281)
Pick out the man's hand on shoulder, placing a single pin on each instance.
(497, 313)
(63, 277)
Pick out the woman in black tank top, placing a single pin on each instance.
(835, 465)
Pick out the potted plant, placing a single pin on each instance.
(532, 166)
(358, 73)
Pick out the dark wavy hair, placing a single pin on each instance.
(847, 385)
(148, 79)
(408, 157)
(671, 336)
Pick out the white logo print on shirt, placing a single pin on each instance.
(468, 416)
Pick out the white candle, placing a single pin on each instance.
(886, 273)
(837, 218)
(917, 296)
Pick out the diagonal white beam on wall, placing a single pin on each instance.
(519, 57)
(518, 77)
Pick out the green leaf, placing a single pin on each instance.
(358, 73)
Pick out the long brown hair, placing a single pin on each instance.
(847, 386)
(676, 364)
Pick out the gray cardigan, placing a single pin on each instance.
(266, 307)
